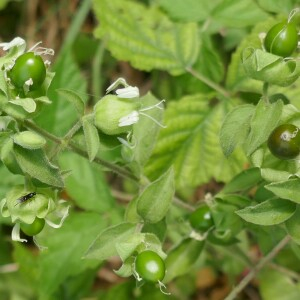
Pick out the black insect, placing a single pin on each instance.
(25, 198)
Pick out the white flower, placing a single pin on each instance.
(128, 92)
(16, 42)
(130, 119)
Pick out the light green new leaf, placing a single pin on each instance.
(86, 184)
(289, 189)
(145, 36)
(277, 285)
(73, 98)
(91, 137)
(155, 200)
(263, 121)
(29, 140)
(36, 164)
(66, 246)
(235, 128)
(191, 143)
(27, 104)
(182, 258)
(104, 246)
(270, 212)
(293, 226)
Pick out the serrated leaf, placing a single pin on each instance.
(191, 143)
(263, 121)
(36, 164)
(104, 246)
(66, 247)
(289, 189)
(293, 226)
(86, 184)
(145, 36)
(73, 98)
(236, 128)
(29, 140)
(270, 212)
(182, 258)
(91, 137)
(155, 200)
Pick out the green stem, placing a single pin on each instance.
(119, 170)
(208, 82)
(265, 93)
(264, 261)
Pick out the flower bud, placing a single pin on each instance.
(114, 115)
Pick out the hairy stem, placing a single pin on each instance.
(264, 261)
(208, 82)
(114, 168)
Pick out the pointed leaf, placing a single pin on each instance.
(37, 165)
(91, 137)
(293, 226)
(29, 140)
(27, 104)
(264, 120)
(269, 212)
(105, 244)
(235, 128)
(182, 258)
(289, 189)
(155, 200)
(73, 98)
(145, 36)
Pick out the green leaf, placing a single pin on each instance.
(275, 6)
(235, 128)
(276, 285)
(104, 246)
(29, 140)
(91, 137)
(27, 104)
(74, 99)
(155, 200)
(191, 143)
(293, 226)
(235, 13)
(243, 181)
(182, 258)
(37, 165)
(145, 36)
(86, 184)
(289, 189)
(264, 120)
(66, 246)
(146, 131)
(270, 68)
(60, 116)
(269, 212)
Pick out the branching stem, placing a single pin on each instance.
(263, 262)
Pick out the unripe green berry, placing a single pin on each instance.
(110, 110)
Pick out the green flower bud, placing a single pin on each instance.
(114, 115)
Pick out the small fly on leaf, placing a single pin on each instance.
(25, 198)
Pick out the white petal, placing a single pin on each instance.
(128, 92)
(15, 234)
(65, 213)
(29, 82)
(15, 42)
(129, 119)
